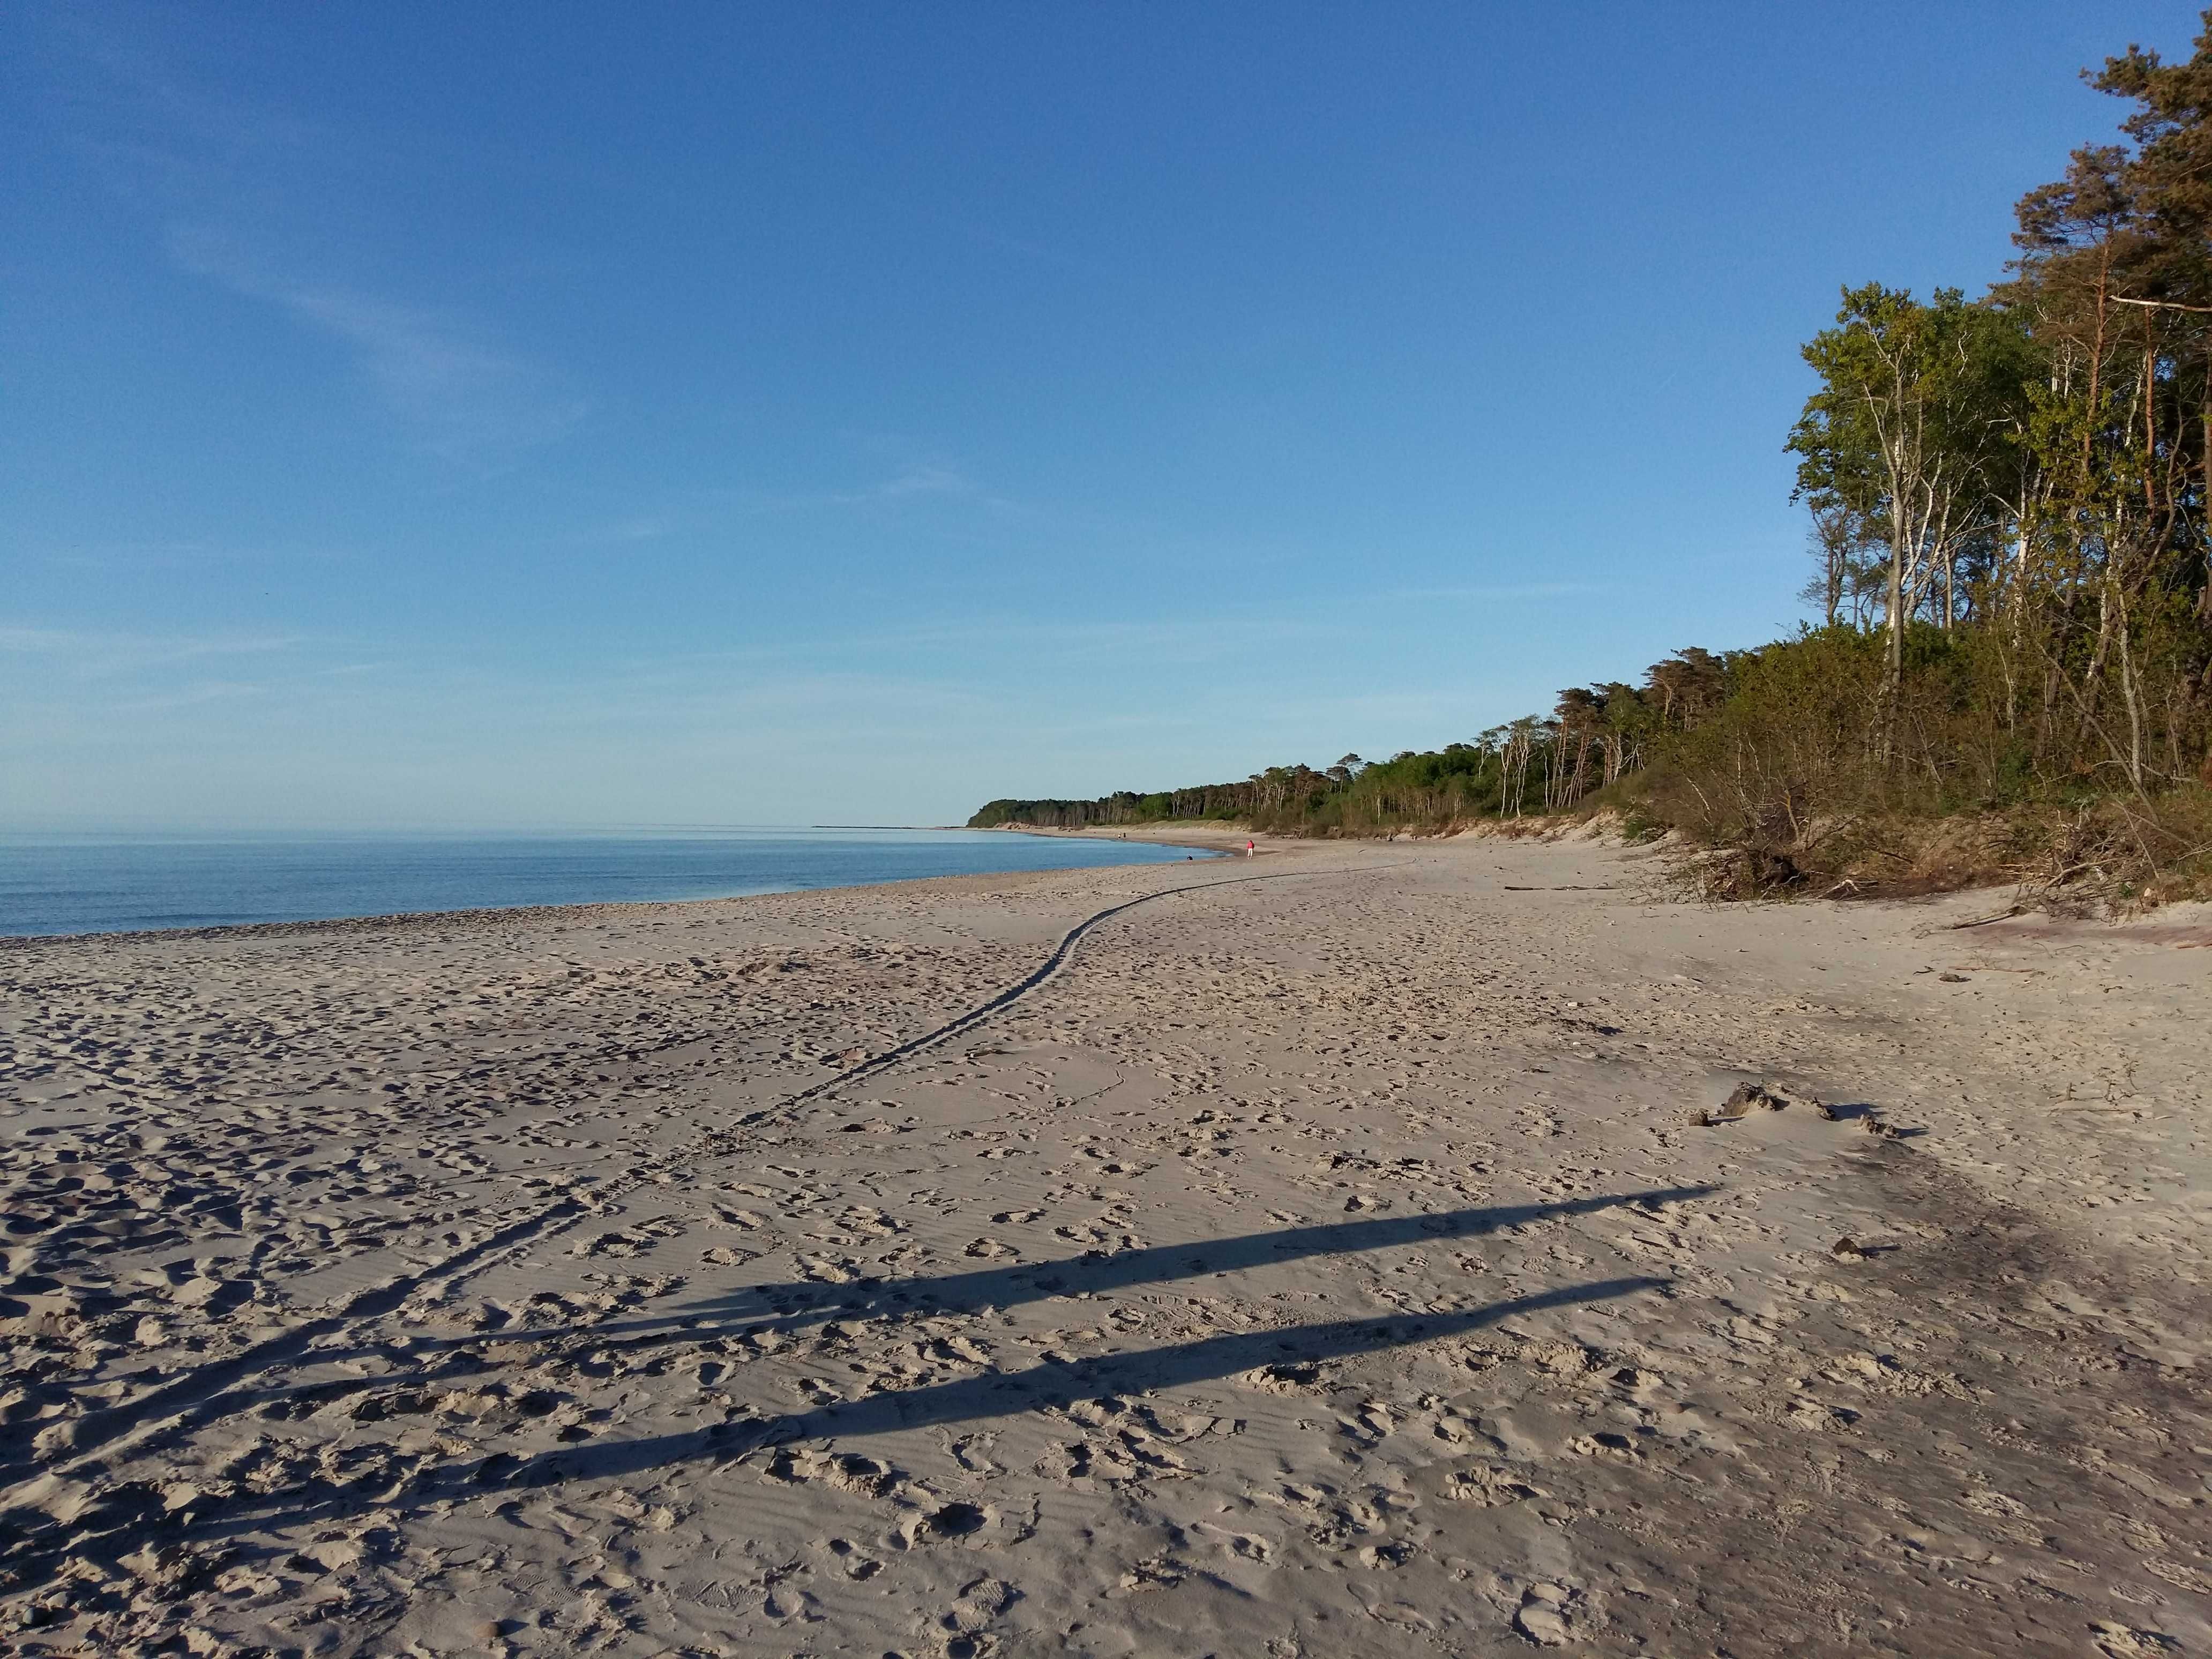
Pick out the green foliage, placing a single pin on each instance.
(1597, 736)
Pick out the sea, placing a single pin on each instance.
(107, 884)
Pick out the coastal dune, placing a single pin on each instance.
(1348, 1249)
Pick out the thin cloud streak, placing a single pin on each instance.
(466, 398)
(1195, 639)
(1509, 590)
(211, 173)
(926, 481)
(102, 655)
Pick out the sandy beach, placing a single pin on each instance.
(1313, 1254)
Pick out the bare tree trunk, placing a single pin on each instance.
(2204, 594)
(1893, 663)
(2096, 669)
(2097, 352)
(2128, 693)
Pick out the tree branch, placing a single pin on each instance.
(2158, 304)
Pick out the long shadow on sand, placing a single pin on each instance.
(795, 1305)
(1051, 1386)
(32, 1546)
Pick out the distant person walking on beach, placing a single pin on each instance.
(1247, 849)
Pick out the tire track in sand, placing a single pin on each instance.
(200, 1396)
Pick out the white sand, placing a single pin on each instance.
(1324, 1260)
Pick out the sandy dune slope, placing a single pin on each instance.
(1316, 1255)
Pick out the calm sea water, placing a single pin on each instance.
(114, 884)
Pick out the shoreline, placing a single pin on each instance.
(1200, 1258)
(483, 915)
(1195, 836)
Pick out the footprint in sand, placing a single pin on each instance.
(1550, 1615)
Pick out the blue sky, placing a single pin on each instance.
(580, 416)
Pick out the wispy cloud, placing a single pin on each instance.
(468, 399)
(912, 483)
(99, 654)
(1497, 592)
(235, 190)
(652, 528)
(1183, 640)
(138, 557)
(908, 486)
(197, 693)
(926, 481)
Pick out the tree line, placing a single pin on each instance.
(2012, 569)
(1526, 767)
